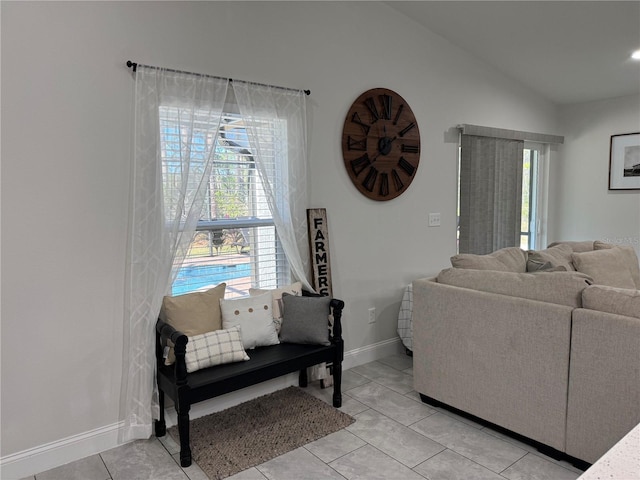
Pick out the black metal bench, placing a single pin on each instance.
(265, 363)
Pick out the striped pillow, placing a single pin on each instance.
(214, 348)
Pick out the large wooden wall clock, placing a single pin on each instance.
(381, 144)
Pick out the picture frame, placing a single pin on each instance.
(624, 162)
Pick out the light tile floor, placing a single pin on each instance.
(395, 436)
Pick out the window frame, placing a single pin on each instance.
(280, 262)
(538, 195)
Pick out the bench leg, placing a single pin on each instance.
(161, 426)
(183, 429)
(337, 387)
(303, 379)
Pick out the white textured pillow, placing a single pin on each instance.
(214, 348)
(254, 316)
(276, 294)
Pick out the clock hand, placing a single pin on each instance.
(384, 147)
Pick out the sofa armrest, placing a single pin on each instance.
(619, 301)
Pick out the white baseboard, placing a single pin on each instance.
(371, 353)
(60, 452)
(53, 454)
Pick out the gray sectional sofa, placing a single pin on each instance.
(545, 344)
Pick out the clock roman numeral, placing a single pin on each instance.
(370, 180)
(371, 105)
(385, 100)
(406, 129)
(397, 182)
(410, 148)
(359, 164)
(355, 118)
(357, 144)
(384, 184)
(395, 120)
(406, 166)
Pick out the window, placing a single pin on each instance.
(533, 213)
(235, 240)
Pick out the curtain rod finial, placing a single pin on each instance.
(131, 64)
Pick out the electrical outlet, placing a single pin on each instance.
(434, 219)
(372, 315)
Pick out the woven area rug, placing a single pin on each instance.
(227, 442)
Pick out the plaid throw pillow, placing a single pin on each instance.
(214, 348)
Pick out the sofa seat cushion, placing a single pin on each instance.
(510, 259)
(607, 267)
(552, 257)
(561, 288)
(621, 301)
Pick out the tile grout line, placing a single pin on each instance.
(507, 468)
(106, 468)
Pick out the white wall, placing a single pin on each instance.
(586, 209)
(66, 152)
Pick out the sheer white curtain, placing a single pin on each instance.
(286, 185)
(177, 116)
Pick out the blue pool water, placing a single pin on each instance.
(193, 277)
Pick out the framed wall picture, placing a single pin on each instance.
(624, 162)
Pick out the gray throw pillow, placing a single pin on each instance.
(557, 256)
(305, 320)
(539, 267)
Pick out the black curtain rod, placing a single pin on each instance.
(134, 66)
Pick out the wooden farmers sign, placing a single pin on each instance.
(319, 248)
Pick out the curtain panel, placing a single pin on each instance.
(286, 185)
(490, 193)
(161, 220)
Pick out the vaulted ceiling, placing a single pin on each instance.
(568, 51)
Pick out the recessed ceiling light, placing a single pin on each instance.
(636, 55)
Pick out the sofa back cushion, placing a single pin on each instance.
(630, 255)
(562, 288)
(510, 259)
(576, 246)
(620, 301)
(607, 267)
